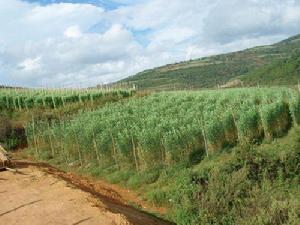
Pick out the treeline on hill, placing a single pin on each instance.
(217, 70)
(195, 152)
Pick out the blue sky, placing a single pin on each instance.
(82, 43)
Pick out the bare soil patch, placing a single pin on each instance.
(41, 194)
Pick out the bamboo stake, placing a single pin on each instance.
(78, 148)
(236, 125)
(163, 153)
(201, 123)
(50, 139)
(134, 153)
(205, 141)
(62, 142)
(34, 137)
(114, 151)
(96, 148)
(53, 101)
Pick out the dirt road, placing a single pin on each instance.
(42, 195)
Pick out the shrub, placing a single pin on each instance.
(5, 128)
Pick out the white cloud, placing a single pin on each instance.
(30, 65)
(67, 44)
(292, 14)
(73, 32)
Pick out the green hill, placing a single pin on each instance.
(284, 72)
(215, 70)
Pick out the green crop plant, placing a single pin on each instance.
(166, 128)
(295, 108)
(275, 118)
(229, 126)
(26, 99)
(248, 124)
(214, 129)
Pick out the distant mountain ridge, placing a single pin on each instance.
(217, 70)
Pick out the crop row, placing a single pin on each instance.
(27, 99)
(169, 127)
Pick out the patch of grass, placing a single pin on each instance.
(157, 197)
(119, 177)
(143, 178)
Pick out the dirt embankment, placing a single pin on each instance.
(41, 194)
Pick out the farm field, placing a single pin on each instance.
(167, 128)
(188, 151)
(18, 106)
(149, 112)
(20, 99)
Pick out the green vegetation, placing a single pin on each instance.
(217, 70)
(168, 128)
(12, 135)
(5, 128)
(19, 99)
(19, 106)
(211, 157)
(283, 72)
(248, 185)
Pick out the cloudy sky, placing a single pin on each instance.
(85, 42)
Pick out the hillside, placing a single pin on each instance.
(284, 72)
(215, 70)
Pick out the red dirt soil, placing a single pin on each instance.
(42, 194)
